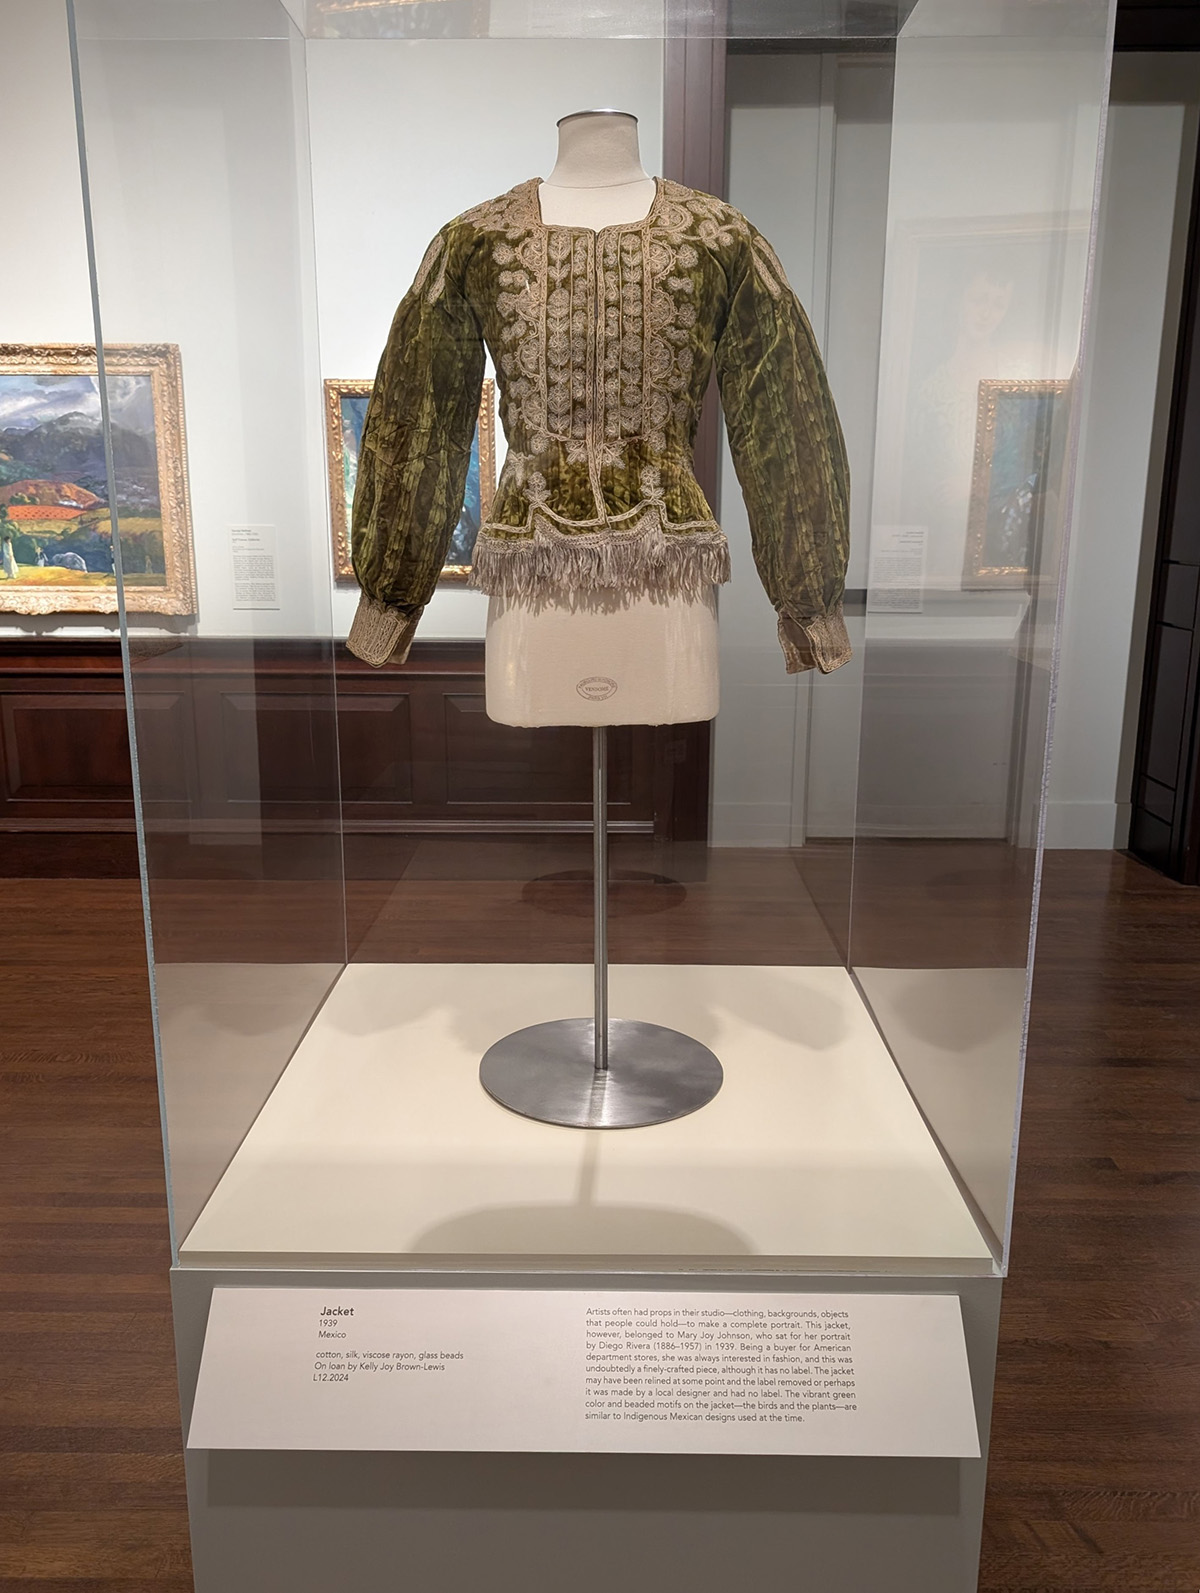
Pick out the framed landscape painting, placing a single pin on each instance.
(56, 521)
(345, 413)
(1020, 439)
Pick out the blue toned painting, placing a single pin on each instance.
(1021, 471)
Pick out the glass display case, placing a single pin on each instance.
(357, 881)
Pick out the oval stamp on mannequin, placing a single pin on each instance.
(596, 688)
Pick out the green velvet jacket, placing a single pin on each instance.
(603, 345)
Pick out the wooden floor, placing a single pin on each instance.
(1095, 1480)
(1095, 1475)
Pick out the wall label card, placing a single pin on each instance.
(569, 1371)
(896, 582)
(255, 572)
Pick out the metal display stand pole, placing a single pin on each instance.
(600, 1072)
(600, 895)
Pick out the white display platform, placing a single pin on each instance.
(378, 1140)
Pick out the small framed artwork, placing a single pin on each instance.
(345, 413)
(1020, 443)
(56, 520)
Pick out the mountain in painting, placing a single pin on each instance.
(71, 447)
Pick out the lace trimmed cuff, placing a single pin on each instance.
(381, 634)
(819, 643)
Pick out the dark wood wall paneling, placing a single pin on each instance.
(229, 730)
(1165, 825)
(63, 738)
(1165, 822)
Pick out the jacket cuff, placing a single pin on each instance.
(818, 643)
(381, 634)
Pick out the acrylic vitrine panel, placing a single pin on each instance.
(726, 927)
(358, 881)
(194, 119)
(807, 23)
(995, 144)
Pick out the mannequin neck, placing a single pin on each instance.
(598, 179)
(598, 149)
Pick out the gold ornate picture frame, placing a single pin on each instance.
(345, 412)
(1020, 438)
(56, 522)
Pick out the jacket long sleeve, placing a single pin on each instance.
(414, 455)
(789, 455)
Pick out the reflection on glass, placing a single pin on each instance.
(994, 142)
(357, 883)
(232, 676)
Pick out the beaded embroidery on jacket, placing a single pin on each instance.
(603, 343)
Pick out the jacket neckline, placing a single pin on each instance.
(534, 186)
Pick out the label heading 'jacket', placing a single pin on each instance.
(603, 344)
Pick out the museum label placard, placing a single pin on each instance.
(572, 1371)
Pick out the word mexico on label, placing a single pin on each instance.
(567, 1371)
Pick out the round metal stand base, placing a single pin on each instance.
(548, 1072)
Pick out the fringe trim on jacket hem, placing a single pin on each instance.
(641, 562)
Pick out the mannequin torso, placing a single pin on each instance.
(600, 660)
